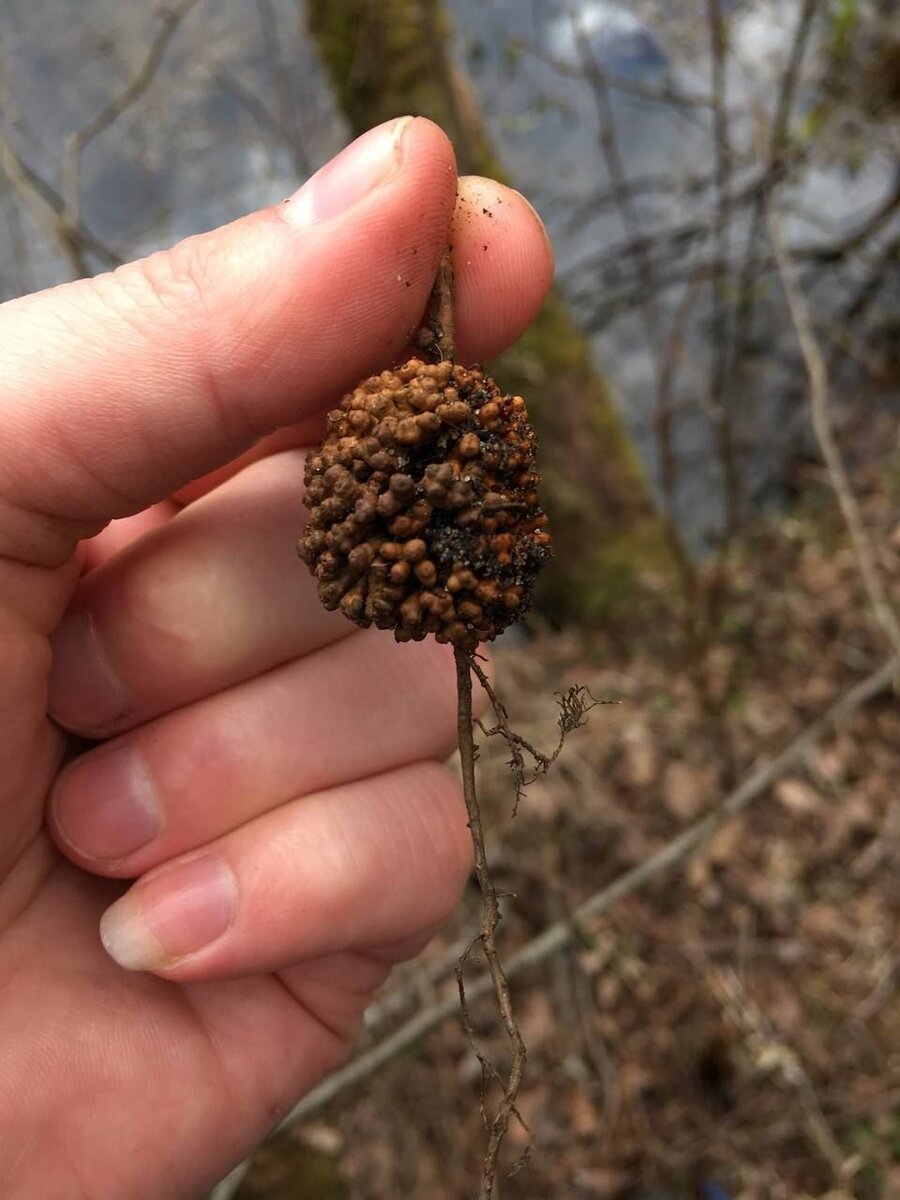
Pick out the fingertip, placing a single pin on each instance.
(181, 909)
(504, 266)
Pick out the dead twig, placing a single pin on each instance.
(574, 705)
(60, 212)
(817, 373)
(438, 337)
(721, 401)
(561, 933)
(490, 919)
(778, 145)
(266, 120)
(663, 424)
(621, 294)
(130, 94)
(650, 310)
(70, 241)
(668, 93)
(772, 1053)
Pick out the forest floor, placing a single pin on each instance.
(730, 1031)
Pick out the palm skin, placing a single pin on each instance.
(150, 602)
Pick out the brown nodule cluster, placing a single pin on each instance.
(423, 506)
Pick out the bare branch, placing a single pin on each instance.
(776, 147)
(437, 336)
(817, 373)
(580, 209)
(663, 423)
(771, 1052)
(620, 187)
(643, 259)
(720, 398)
(668, 243)
(490, 919)
(667, 94)
(45, 204)
(267, 121)
(44, 213)
(574, 705)
(868, 291)
(286, 120)
(815, 255)
(131, 93)
(561, 933)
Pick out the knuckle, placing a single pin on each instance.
(163, 301)
(173, 284)
(182, 293)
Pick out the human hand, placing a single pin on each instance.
(265, 772)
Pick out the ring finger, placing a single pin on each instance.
(362, 865)
(357, 708)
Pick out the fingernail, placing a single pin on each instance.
(170, 915)
(371, 160)
(84, 691)
(105, 805)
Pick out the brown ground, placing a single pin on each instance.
(737, 1021)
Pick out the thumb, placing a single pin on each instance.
(117, 390)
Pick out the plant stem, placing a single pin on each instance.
(442, 315)
(437, 337)
(490, 919)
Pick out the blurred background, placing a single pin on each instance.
(716, 384)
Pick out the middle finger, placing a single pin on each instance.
(358, 708)
(215, 596)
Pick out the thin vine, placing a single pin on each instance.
(437, 338)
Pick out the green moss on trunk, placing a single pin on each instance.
(390, 57)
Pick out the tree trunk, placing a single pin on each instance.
(390, 57)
